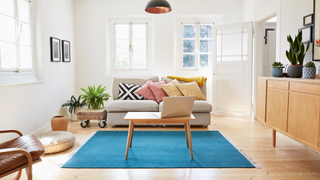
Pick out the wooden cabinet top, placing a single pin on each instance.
(298, 80)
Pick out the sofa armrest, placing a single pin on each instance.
(15, 151)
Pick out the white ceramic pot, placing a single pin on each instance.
(73, 116)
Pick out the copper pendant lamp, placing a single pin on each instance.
(158, 7)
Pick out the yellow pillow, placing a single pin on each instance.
(171, 88)
(189, 89)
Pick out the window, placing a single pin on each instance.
(15, 36)
(130, 44)
(196, 46)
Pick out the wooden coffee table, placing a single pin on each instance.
(150, 118)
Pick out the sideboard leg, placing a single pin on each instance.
(274, 137)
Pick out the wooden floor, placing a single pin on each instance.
(288, 160)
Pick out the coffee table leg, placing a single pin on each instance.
(186, 132)
(131, 134)
(129, 137)
(189, 137)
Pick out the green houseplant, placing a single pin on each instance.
(309, 71)
(74, 106)
(94, 97)
(277, 69)
(296, 55)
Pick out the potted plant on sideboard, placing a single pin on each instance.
(296, 55)
(74, 106)
(309, 71)
(277, 69)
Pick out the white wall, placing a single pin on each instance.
(29, 108)
(91, 32)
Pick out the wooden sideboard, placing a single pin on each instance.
(290, 106)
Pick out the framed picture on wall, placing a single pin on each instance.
(66, 51)
(308, 20)
(316, 31)
(55, 49)
(306, 34)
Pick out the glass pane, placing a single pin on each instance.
(231, 44)
(219, 45)
(245, 43)
(25, 36)
(25, 57)
(6, 7)
(189, 31)
(122, 31)
(205, 45)
(231, 31)
(8, 55)
(122, 60)
(23, 9)
(139, 31)
(139, 46)
(189, 60)
(122, 46)
(232, 58)
(189, 46)
(204, 60)
(139, 61)
(205, 31)
(7, 29)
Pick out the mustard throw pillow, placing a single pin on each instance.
(171, 88)
(189, 89)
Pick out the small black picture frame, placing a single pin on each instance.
(306, 34)
(55, 49)
(308, 20)
(66, 54)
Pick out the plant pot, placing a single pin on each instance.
(276, 72)
(309, 73)
(59, 123)
(295, 71)
(73, 116)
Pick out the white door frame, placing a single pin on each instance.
(269, 12)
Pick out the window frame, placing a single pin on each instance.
(110, 48)
(131, 68)
(192, 20)
(28, 71)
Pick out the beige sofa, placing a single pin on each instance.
(117, 109)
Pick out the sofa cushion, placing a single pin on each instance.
(198, 106)
(202, 88)
(132, 106)
(127, 92)
(157, 90)
(171, 88)
(191, 89)
(146, 92)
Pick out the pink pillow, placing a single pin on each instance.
(157, 90)
(145, 91)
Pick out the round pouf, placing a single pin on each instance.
(56, 141)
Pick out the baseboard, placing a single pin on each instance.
(44, 128)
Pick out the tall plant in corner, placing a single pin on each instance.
(296, 55)
(94, 97)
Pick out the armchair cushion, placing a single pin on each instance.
(28, 142)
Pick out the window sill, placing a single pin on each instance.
(20, 83)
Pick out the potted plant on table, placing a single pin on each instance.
(277, 69)
(94, 98)
(309, 71)
(296, 55)
(74, 106)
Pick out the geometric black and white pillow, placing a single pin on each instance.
(126, 92)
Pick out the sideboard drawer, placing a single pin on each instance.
(278, 84)
(305, 88)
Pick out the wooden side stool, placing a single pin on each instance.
(85, 115)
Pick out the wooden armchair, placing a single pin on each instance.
(19, 153)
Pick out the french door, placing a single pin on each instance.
(232, 69)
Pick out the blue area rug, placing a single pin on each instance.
(158, 149)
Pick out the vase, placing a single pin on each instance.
(276, 72)
(59, 123)
(73, 116)
(295, 71)
(309, 73)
